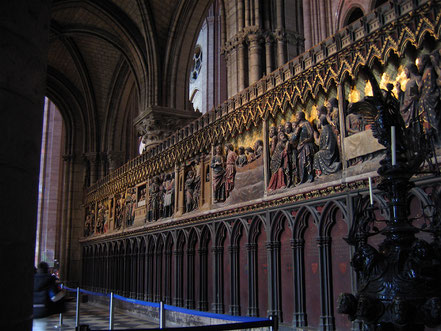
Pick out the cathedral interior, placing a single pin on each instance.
(218, 155)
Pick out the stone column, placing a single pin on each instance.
(179, 195)
(241, 66)
(66, 214)
(253, 309)
(93, 162)
(218, 254)
(342, 120)
(280, 33)
(266, 156)
(255, 71)
(115, 160)
(327, 319)
(298, 248)
(24, 36)
(234, 280)
(268, 54)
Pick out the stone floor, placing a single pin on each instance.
(95, 316)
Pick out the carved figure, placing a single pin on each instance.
(89, 225)
(326, 160)
(119, 212)
(429, 98)
(432, 312)
(258, 148)
(230, 169)
(408, 108)
(279, 164)
(332, 115)
(303, 138)
(381, 112)
(292, 155)
(242, 159)
(101, 218)
(169, 195)
(354, 123)
(130, 207)
(273, 137)
(250, 154)
(189, 191)
(217, 164)
(197, 182)
(155, 197)
(347, 304)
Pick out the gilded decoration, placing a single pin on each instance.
(239, 123)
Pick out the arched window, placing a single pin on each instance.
(353, 15)
(207, 76)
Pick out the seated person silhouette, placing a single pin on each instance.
(47, 299)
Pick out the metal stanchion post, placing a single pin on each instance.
(77, 309)
(111, 312)
(161, 315)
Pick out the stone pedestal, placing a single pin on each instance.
(24, 43)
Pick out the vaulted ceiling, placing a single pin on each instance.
(104, 52)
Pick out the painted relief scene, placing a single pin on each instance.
(326, 137)
(309, 141)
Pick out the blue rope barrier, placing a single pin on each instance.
(176, 309)
(214, 315)
(138, 302)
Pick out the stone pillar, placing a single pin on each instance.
(179, 195)
(280, 33)
(218, 254)
(115, 160)
(103, 165)
(253, 309)
(274, 292)
(66, 214)
(254, 72)
(93, 163)
(268, 54)
(307, 24)
(24, 33)
(234, 280)
(298, 248)
(342, 120)
(327, 319)
(266, 156)
(190, 300)
(241, 66)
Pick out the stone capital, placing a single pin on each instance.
(156, 123)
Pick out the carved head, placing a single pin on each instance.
(273, 132)
(241, 150)
(288, 127)
(300, 116)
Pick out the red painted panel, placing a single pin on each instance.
(341, 269)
